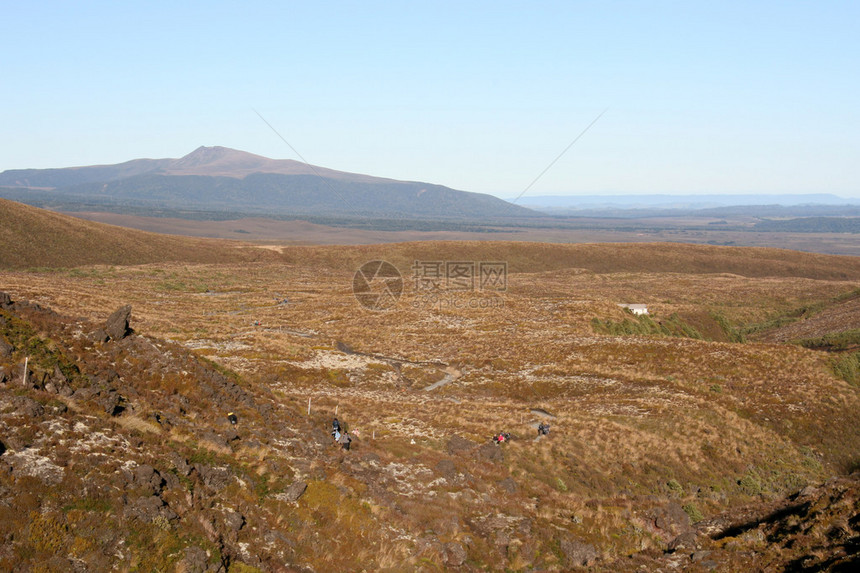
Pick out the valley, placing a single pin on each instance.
(653, 436)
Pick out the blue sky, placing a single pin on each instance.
(701, 97)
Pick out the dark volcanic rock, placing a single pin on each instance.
(147, 508)
(110, 402)
(28, 406)
(294, 492)
(147, 477)
(234, 520)
(577, 553)
(670, 519)
(455, 554)
(509, 485)
(685, 542)
(194, 561)
(458, 444)
(181, 464)
(99, 336)
(213, 477)
(491, 452)
(117, 324)
(5, 349)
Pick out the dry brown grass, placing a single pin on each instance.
(633, 413)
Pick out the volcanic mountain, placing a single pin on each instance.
(222, 180)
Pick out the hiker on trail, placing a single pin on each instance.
(344, 441)
(335, 429)
(543, 429)
(501, 437)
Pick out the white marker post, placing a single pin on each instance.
(309, 406)
(26, 362)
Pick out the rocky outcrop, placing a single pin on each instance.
(117, 325)
(577, 554)
(5, 348)
(458, 444)
(294, 492)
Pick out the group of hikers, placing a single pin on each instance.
(502, 437)
(340, 435)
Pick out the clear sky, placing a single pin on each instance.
(701, 97)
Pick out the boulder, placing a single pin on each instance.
(216, 478)
(181, 464)
(509, 485)
(685, 542)
(110, 402)
(670, 520)
(195, 560)
(147, 478)
(491, 452)
(458, 444)
(5, 300)
(4, 376)
(455, 554)
(27, 406)
(99, 336)
(294, 492)
(5, 348)
(117, 325)
(577, 553)
(234, 520)
(147, 508)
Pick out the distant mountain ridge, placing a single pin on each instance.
(573, 203)
(223, 179)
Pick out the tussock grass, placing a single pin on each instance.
(633, 414)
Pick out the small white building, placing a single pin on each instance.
(636, 309)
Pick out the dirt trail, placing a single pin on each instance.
(451, 374)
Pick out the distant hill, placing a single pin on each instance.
(32, 237)
(574, 203)
(812, 225)
(221, 179)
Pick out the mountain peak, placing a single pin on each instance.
(217, 158)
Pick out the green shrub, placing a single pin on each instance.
(833, 341)
(694, 513)
(732, 334)
(750, 484)
(848, 368)
(644, 325)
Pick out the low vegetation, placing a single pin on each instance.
(666, 430)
